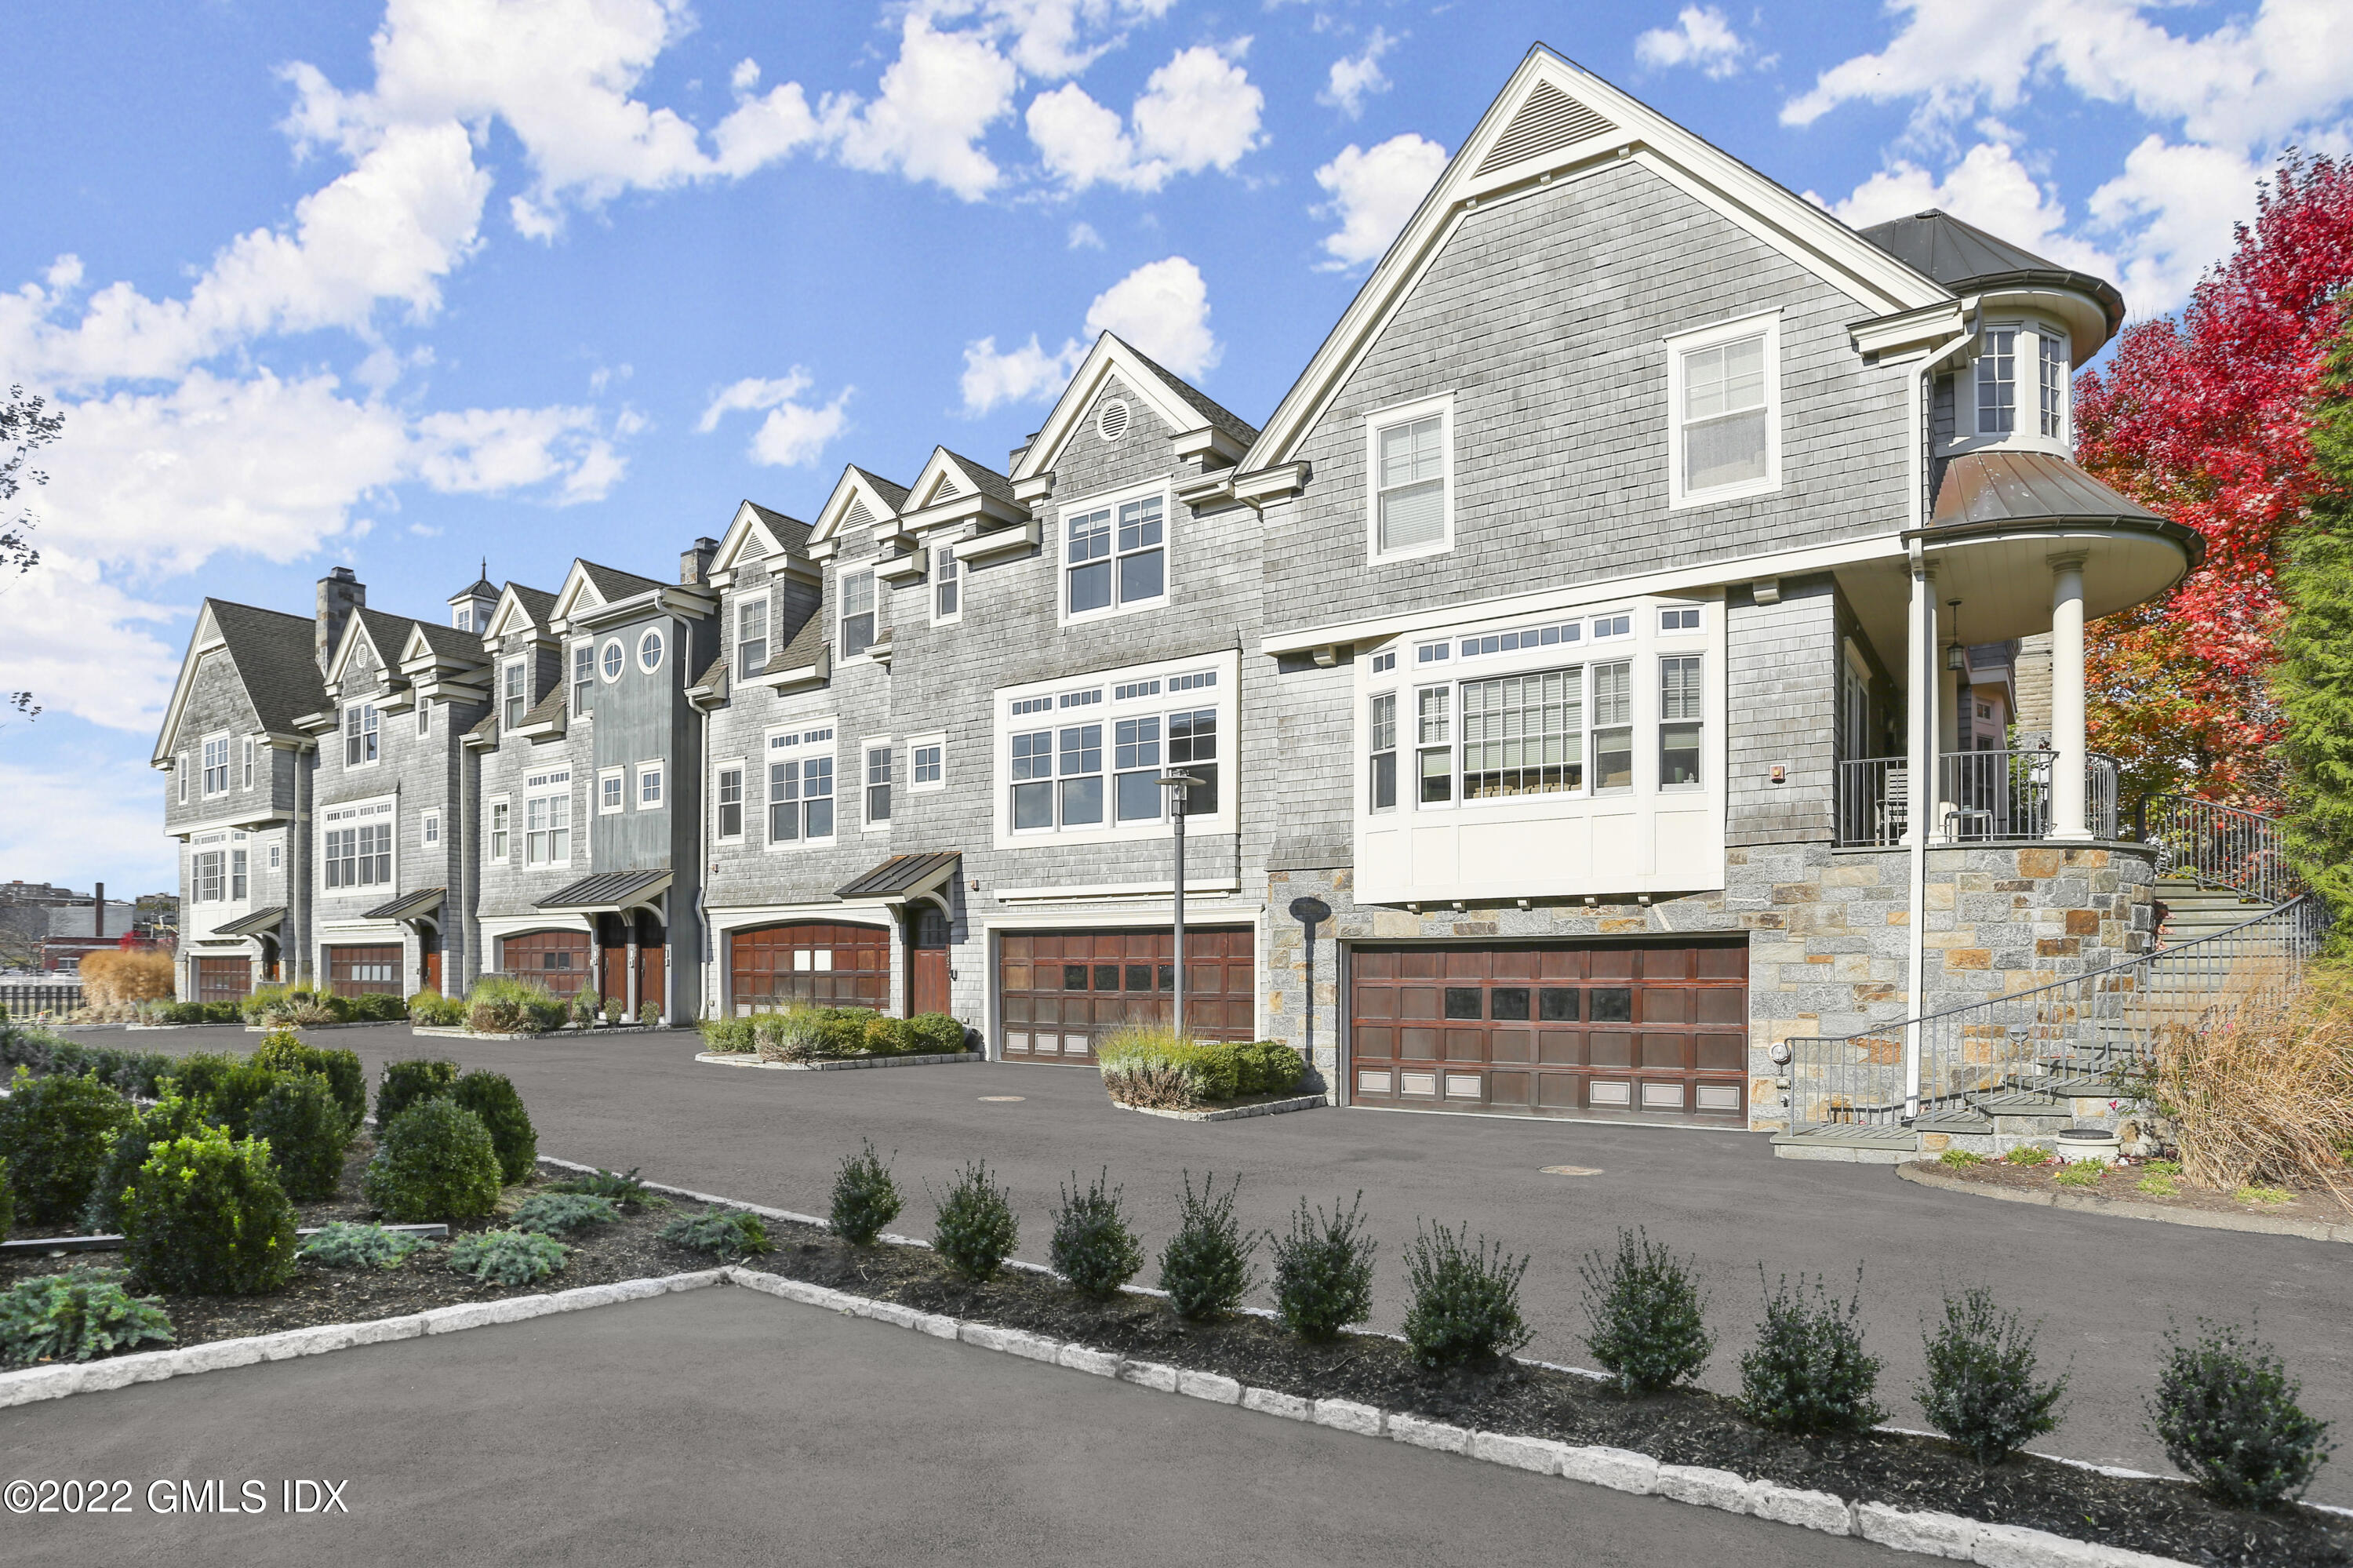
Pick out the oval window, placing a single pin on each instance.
(613, 659)
(650, 652)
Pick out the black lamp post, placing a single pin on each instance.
(1179, 783)
(1309, 912)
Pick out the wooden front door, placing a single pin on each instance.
(428, 959)
(1061, 990)
(927, 962)
(613, 937)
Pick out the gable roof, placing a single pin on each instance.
(275, 657)
(588, 585)
(1177, 404)
(1969, 260)
(859, 499)
(1218, 416)
(448, 641)
(789, 532)
(1554, 116)
(522, 605)
(756, 531)
(802, 650)
(948, 475)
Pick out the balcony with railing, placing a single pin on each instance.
(1981, 796)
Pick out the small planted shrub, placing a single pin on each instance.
(1205, 1266)
(2226, 1411)
(8, 1203)
(126, 1150)
(560, 1214)
(1959, 1158)
(507, 1257)
(1809, 1372)
(206, 1217)
(795, 1034)
(435, 1010)
(725, 1034)
(1093, 1246)
(582, 1010)
(502, 1004)
(53, 1135)
(404, 1083)
(2080, 1173)
(936, 1034)
(307, 1132)
(436, 1161)
(723, 1232)
(865, 1198)
(976, 1228)
(1981, 1390)
(1647, 1319)
(1324, 1271)
(887, 1036)
(2029, 1154)
(344, 1245)
(283, 1051)
(492, 1096)
(1466, 1298)
(261, 1003)
(1269, 1067)
(841, 1030)
(76, 1316)
(378, 1009)
(621, 1186)
(649, 1013)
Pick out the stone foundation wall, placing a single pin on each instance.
(1828, 935)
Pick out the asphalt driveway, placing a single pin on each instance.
(2104, 1288)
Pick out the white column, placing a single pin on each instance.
(2067, 814)
(1920, 703)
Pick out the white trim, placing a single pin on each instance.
(769, 844)
(428, 828)
(491, 806)
(732, 629)
(1765, 323)
(939, 739)
(1441, 405)
(572, 684)
(1107, 357)
(615, 775)
(866, 824)
(872, 912)
(328, 817)
(1112, 500)
(842, 571)
(606, 671)
(657, 770)
(942, 555)
(744, 804)
(501, 697)
(1165, 889)
(660, 638)
(498, 927)
(228, 765)
(1224, 696)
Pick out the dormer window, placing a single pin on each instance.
(361, 724)
(752, 636)
(515, 697)
(1115, 556)
(857, 613)
(463, 617)
(584, 676)
(1998, 383)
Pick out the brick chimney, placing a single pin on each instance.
(340, 593)
(694, 565)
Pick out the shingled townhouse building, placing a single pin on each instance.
(1650, 629)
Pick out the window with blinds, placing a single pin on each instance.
(1524, 734)
(1411, 460)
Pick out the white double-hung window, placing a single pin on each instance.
(547, 817)
(514, 695)
(247, 781)
(2020, 382)
(947, 586)
(217, 766)
(728, 796)
(1116, 556)
(355, 847)
(1410, 466)
(362, 737)
(800, 786)
(1724, 387)
(584, 677)
(752, 636)
(857, 613)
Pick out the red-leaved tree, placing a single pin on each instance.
(2206, 419)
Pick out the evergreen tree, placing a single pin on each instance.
(2314, 680)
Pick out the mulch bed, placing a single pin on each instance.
(2122, 1180)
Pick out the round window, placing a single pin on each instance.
(613, 660)
(650, 652)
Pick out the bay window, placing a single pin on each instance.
(1382, 786)
(205, 875)
(1997, 377)
(1522, 734)
(1434, 733)
(236, 874)
(247, 781)
(547, 830)
(1679, 715)
(1193, 749)
(1613, 720)
(1135, 759)
(2050, 361)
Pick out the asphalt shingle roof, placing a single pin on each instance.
(1218, 414)
(611, 583)
(801, 652)
(982, 477)
(1966, 259)
(791, 532)
(275, 657)
(896, 494)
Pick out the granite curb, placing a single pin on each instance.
(2125, 1209)
(1232, 1113)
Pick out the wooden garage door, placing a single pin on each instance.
(556, 960)
(365, 971)
(224, 980)
(827, 962)
(1646, 1032)
(1059, 991)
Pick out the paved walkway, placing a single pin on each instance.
(2104, 1286)
(724, 1427)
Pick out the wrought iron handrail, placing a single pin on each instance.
(1981, 796)
(2068, 1032)
(2219, 846)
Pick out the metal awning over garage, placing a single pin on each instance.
(261, 923)
(407, 906)
(904, 876)
(609, 892)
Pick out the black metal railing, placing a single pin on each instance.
(1981, 797)
(2219, 846)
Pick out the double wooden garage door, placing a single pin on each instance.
(1657, 1032)
(1060, 992)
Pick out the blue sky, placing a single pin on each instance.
(401, 286)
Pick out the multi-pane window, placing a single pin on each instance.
(358, 847)
(752, 636)
(730, 802)
(273, 857)
(584, 677)
(1033, 774)
(878, 784)
(216, 767)
(947, 584)
(499, 830)
(1522, 734)
(1383, 782)
(236, 873)
(650, 651)
(424, 716)
(247, 760)
(1434, 733)
(360, 739)
(1411, 459)
(180, 771)
(857, 613)
(205, 875)
(1080, 770)
(612, 789)
(924, 764)
(613, 659)
(1613, 720)
(1192, 751)
(1725, 436)
(1135, 760)
(1117, 556)
(429, 829)
(800, 799)
(2050, 359)
(1680, 713)
(650, 787)
(547, 829)
(1998, 383)
(516, 695)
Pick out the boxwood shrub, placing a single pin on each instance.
(203, 1075)
(1809, 1372)
(45, 1055)
(1151, 1065)
(208, 1216)
(283, 1051)
(1093, 1247)
(1466, 1298)
(305, 1127)
(127, 1149)
(436, 1161)
(865, 1197)
(889, 1037)
(492, 1097)
(1646, 1318)
(404, 1083)
(1205, 1266)
(53, 1134)
(976, 1228)
(76, 1316)
(1324, 1271)
(1981, 1390)
(435, 1010)
(725, 1034)
(2225, 1409)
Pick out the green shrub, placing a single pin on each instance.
(403, 1084)
(1151, 1065)
(492, 1097)
(649, 1013)
(376, 1008)
(723, 1232)
(936, 1034)
(1981, 1391)
(1269, 1067)
(257, 1004)
(888, 1036)
(1647, 1319)
(222, 1012)
(622, 1187)
(725, 1034)
(2225, 1409)
(1466, 1298)
(8, 1203)
(1809, 1372)
(554, 1214)
(1959, 1158)
(299, 1119)
(841, 1030)
(1324, 1271)
(53, 1135)
(283, 1051)
(2029, 1154)
(507, 1257)
(1093, 1246)
(865, 1198)
(582, 1008)
(127, 1149)
(75, 1317)
(436, 1161)
(204, 1075)
(342, 1244)
(1205, 1266)
(207, 1217)
(435, 1010)
(45, 1055)
(502, 1004)
(975, 1231)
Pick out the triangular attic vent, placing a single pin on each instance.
(754, 546)
(859, 517)
(1549, 120)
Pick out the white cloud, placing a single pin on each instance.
(1198, 111)
(1990, 188)
(795, 433)
(1053, 38)
(937, 98)
(1357, 76)
(1161, 308)
(1701, 37)
(1084, 238)
(95, 812)
(86, 647)
(1373, 192)
(1023, 373)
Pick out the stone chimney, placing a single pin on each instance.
(340, 593)
(694, 565)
